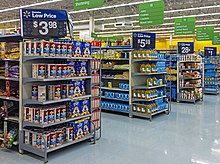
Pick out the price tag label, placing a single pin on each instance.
(143, 40)
(43, 23)
(210, 51)
(185, 47)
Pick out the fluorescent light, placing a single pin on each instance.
(114, 6)
(81, 21)
(194, 8)
(9, 21)
(31, 5)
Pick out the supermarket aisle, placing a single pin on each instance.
(190, 134)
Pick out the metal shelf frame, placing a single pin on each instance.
(25, 99)
(115, 81)
(179, 88)
(138, 83)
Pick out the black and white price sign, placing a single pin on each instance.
(43, 23)
(210, 51)
(185, 47)
(143, 40)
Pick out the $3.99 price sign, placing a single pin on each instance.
(185, 47)
(143, 40)
(43, 23)
(210, 51)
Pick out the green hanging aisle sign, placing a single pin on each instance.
(216, 39)
(151, 13)
(204, 33)
(87, 4)
(185, 26)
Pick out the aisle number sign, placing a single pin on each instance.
(151, 13)
(87, 4)
(185, 47)
(210, 51)
(142, 40)
(204, 33)
(43, 23)
(216, 39)
(185, 26)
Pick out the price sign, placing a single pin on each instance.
(143, 40)
(185, 47)
(43, 23)
(210, 51)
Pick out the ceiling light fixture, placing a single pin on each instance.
(31, 5)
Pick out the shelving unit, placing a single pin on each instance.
(96, 90)
(190, 78)
(148, 97)
(171, 77)
(28, 127)
(115, 79)
(10, 89)
(212, 75)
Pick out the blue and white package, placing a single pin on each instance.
(77, 49)
(86, 47)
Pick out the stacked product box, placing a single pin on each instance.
(59, 91)
(58, 48)
(56, 136)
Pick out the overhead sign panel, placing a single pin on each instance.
(185, 47)
(87, 4)
(185, 26)
(142, 40)
(204, 33)
(210, 51)
(151, 13)
(216, 39)
(43, 23)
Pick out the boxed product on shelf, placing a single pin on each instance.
(190, 57)
(46, 114)
(95, 103)
(71, 69)
(86, 49)
(9, 50)
(115, 106)
(95, 64)
(82, 68)
(60, 91)
(95, 91)
(116, 95)
(95, 78)
(77, 48)
(124, 86)
(79, 108)
(58, 135)
(96, 115)
(57, 48)
(191, 94)
(9, 89)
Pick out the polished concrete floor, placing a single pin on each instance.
(190, 134)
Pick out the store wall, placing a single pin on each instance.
(164, 44)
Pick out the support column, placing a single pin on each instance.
(91, 25)
(171, 39)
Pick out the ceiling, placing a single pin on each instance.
(210, 15)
